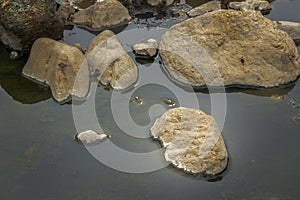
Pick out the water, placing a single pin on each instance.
(40, 159)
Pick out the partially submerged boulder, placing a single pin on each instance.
(192, 141)
(205, 8)
(22, 22)
(292, 28)
(60, 66)
(109, 62)
(147, 49)
(102, 15)
(228, 47)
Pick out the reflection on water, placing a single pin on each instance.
(18, 87)
(40, 160)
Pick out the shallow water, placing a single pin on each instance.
(40, 159)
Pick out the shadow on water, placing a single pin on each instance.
(16, 86)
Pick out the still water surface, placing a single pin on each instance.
(40, 159)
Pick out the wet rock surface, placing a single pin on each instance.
(147, 49)
(60, 66)
(110, 63)
(22, 22)
(231, 48)
(102, 15)
(204, 8)
(192, 141)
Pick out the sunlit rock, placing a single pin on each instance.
(192, 141)
(228, 47)
(147, 49)
(110, 63)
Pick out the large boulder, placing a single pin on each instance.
(232, 48)
(22, 22)
(102, 15)
(62, 67)
(109, 62)
(192, 141)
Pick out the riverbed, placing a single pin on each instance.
(41, 160)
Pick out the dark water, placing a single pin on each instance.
(40, 159)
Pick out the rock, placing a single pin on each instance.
(90, 137)
(259, 5)
(109, 61)
(146, 49)
(65, 11)
(60, 66)
(78, 46)
(292, 28)
(192, 141)
(243, 47)
(297, 118)
(160, 2)
(205, 8)
(22, 22)
(102, 15)
(82, 4)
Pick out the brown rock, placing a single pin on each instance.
(110, 63)
(102, 15)
(231, 48)
(204, 8)
(22, 22)
(60, 66)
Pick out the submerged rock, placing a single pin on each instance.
(192, 141)
(229, 47)
(147, 49)
(22, 22)
(292, 28)
(60, 66)
(109, 61)
(90, 137)
(259, 5)
(205, 8)
(102, 15)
